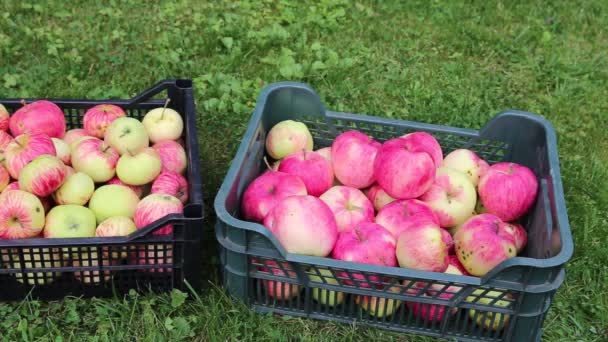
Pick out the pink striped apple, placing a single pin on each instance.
(138, 189)
(402, 172)
(5, 139)
(42, 176)
(366, 243)
(38, 117)
(467, 162)
(508, 190)
(173, 184)
(424, 142)
(423, 248)
(14, 185)
(5, 178)
(266, 191)
(96, 159)
(158, 256)
(378, 197)
(482, 243)
(349, 205)
(303, 225)
(325, 152)
(353, 154)
(69, 171)
(452, 197)
(402, 215)
(74, 134)
(4, 118)
(154, 207)
(21, 215)
(278, 289)
(115, 226)
(519, 234)
(314, 170)
(288, 137)
(77, 142)
(97, 119)
(172, 156)
(63, 150)
(140, 168)
(25, 148)
(429, 312)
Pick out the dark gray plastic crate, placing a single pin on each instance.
(251, 256)
(109, 266)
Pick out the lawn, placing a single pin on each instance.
(444, 62)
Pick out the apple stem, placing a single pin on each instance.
(162, 114)
(304, 153)
(23, 102)
(267, 164)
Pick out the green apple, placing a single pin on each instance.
(77, 189)
(36, 258)
(288, 137)
(326, 297)
(69, 221)
(113, 200)
(378, 306)
(163, 124)
(139, 169)
(127, 134)
(490, 320)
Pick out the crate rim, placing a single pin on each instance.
(555, 176)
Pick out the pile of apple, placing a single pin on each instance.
(113, 176)
(400, 203)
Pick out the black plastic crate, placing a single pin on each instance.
(255, 265)
(102, 267)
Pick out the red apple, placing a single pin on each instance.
(278, 289)
(424, 142)
(21, 215)
(25, 148)
(97, 119)
(38, 117)
(154, 207)
(508, 190)
(42, 176)
(172, 156)
(402, 215)
(303, 225)
(314, 170)
(482, 243)
(519, 234)
(154, 254)
(403, 173)
(173, 184)
(266, 191)
(366, 243)
(423, 248)
(11, 186)
(349, 205)
(353, 154)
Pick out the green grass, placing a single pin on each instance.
(444, 62)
